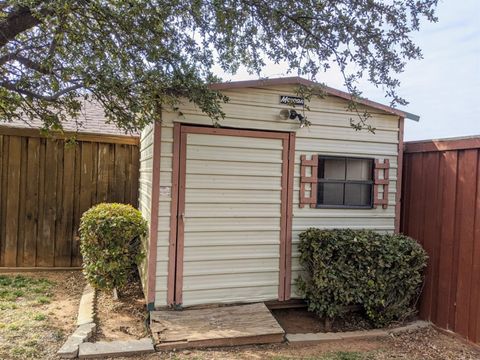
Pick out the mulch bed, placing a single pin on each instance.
(122, 319)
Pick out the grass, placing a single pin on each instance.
(40, 317)
(19, 324)
(42, 300)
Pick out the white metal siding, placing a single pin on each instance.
(232, 249)
(145, 185)
(329, 134)
(164, 213)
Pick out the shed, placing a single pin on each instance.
(226, 204)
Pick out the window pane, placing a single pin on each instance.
(358, 194)
(330, 194)
(333, 169)
(359, 169)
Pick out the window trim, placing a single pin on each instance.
(363, 182)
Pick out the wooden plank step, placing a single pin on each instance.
(221, 326)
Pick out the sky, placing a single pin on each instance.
(443, 88)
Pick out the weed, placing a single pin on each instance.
(18, 293)
(58, 334)
(13, 327)
(5, 280)
(43, 300)
(39, 317)
(30, 343)
(7, 295)
(20, 282)
(23, 352)
(8, 306)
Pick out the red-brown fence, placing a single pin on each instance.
(441, 209)
(45, 187)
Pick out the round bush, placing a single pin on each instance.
(382, 273)
(110, 243)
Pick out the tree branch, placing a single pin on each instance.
(12, 87)
(26, 62)
(16, 22)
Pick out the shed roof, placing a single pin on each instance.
(296, 80)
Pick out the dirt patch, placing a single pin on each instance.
(425, 344)
(38, 311)
(122, 319)
(300, 320)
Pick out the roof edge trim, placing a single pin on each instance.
(296, 80)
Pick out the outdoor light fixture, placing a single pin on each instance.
(292, 115)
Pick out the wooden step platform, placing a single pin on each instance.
(220, 326)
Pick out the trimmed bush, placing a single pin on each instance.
(382, 273)
(110, 236)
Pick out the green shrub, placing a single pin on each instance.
(382, 273)
(110, 236)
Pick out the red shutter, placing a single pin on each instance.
(381, 183)
(308, 184)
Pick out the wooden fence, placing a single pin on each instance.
(45, 186)
(441, 209)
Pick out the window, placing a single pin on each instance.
(345, 182)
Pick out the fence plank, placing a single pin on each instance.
(102, 169)
(430, 163)
(406, 195)
(3, 192)
(61, 255)
(41, 199)
(134, 173)
(474, 323)
(46, 250)
(13, 201)
(128, 174)
(417, 199)
(120, 159)
(448, 172)
(76, 257)
(86, 181)
(93, 198)
(21, 195)
(31, 206)
(466, 198)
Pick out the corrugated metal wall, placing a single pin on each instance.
(329, 134)
(441, 209)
